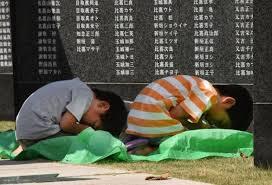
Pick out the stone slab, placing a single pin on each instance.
(262, 51)
(262, 84)
(57, 173)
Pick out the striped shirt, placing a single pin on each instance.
(149, 114)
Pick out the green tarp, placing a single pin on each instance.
(91, 146)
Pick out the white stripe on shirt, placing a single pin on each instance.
(141, 98)
(205, 99)
(159, 89)
(178, 85)
(155, 130)
(149, 115)
(197, 112)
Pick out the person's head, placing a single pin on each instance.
(107, 112)
(234, 108)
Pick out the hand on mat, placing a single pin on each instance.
(144, 150)
(139, 147)
(18, 150)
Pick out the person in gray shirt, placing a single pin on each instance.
(65, 108)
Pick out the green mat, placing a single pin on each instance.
(91, 146)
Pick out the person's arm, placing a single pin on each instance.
(178, 112)
(68, 123)
(143, 151)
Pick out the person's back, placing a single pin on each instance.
(67, 108)
(40, 114)
(174, 104)
(150, 114)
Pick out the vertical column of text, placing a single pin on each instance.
(87, 26)
(244, 38)
(124, 37)
(48, 24)
(165, 38)
(5, 35)
(204, 34)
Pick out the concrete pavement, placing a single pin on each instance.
(47, 172)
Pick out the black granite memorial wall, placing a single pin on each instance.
(263, 84)
(124, 44)
(6, 76)
(121, 45)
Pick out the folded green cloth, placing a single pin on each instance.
(7, 144)
(90, 146)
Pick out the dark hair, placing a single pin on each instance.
(114, 120)
(241, 114)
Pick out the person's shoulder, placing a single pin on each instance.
(77, 80)
(78, 83)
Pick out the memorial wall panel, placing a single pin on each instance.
(6, 76)
(129, 43)
(134, 40)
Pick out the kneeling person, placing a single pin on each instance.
(175, 104)
(65, 108)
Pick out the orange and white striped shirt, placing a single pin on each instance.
(149, 115)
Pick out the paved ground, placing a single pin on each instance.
(45, 172)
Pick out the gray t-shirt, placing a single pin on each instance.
(40, 114)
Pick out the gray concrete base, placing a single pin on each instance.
(36, 172)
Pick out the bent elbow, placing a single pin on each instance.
(64, 126)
